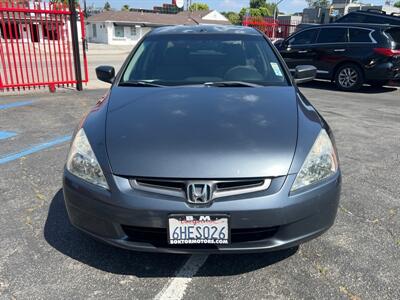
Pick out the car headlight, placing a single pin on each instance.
(83, 163)
(321, 162)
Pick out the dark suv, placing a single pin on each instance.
(348, 54)
(372, 16)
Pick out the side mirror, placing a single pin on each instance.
(105, 73)
(279, 43)
(304, 73)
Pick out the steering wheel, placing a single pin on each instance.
(243, 73)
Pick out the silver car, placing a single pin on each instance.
(203, 144)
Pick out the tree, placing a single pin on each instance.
(233, 17)
(66, 2)
(259, 8)
(125, 7)
(243, 12)
(257, 3)
(318, 3)
(266, 11)
(107, 6)
(397, 4)
(198, 6)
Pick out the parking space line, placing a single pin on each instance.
(13, 156)
(6, 135)
(175, 289)
(15, 104)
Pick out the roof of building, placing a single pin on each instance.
(154, 19)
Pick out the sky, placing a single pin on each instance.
(288, 6)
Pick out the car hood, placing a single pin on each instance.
(201, 132)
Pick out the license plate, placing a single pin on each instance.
(198, 229)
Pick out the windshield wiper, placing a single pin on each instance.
(232, 84)
(140, 83)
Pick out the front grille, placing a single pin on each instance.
(239, 184)
(158, 236)
(221, 185)
(167, 184)
(220, 188)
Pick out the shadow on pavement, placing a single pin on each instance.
(61, 235)
(327, 85)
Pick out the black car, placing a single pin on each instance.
(305, 25)
(348, 54)
(372, 16)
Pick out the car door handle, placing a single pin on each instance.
(303, 51)
(339, 50)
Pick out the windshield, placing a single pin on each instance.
(172, 60)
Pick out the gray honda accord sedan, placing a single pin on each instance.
(204, 143)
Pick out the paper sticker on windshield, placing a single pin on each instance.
(276, 69)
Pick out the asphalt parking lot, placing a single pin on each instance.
(43, 257)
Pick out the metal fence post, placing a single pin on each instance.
(75, 44)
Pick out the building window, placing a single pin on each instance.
(94, 30)
(133, 31)
(10, 32)
(50, 32)
(119, 31)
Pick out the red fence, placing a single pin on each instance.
(274, 29)
(36, 47)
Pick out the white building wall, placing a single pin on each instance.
(106, 33)
(109, 36)
(110, 31)
(131, 35)
(101, 34)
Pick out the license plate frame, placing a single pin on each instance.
(197, 217)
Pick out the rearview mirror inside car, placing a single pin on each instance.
(105, 73)
(304, 73)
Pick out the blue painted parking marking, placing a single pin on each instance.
(6, 135)
(15, 104)
(13, 156)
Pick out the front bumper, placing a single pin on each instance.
(286, 221)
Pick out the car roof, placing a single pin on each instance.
(375, 13)
(204, 29)
(363, 25)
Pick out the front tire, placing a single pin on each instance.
(349, 77)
